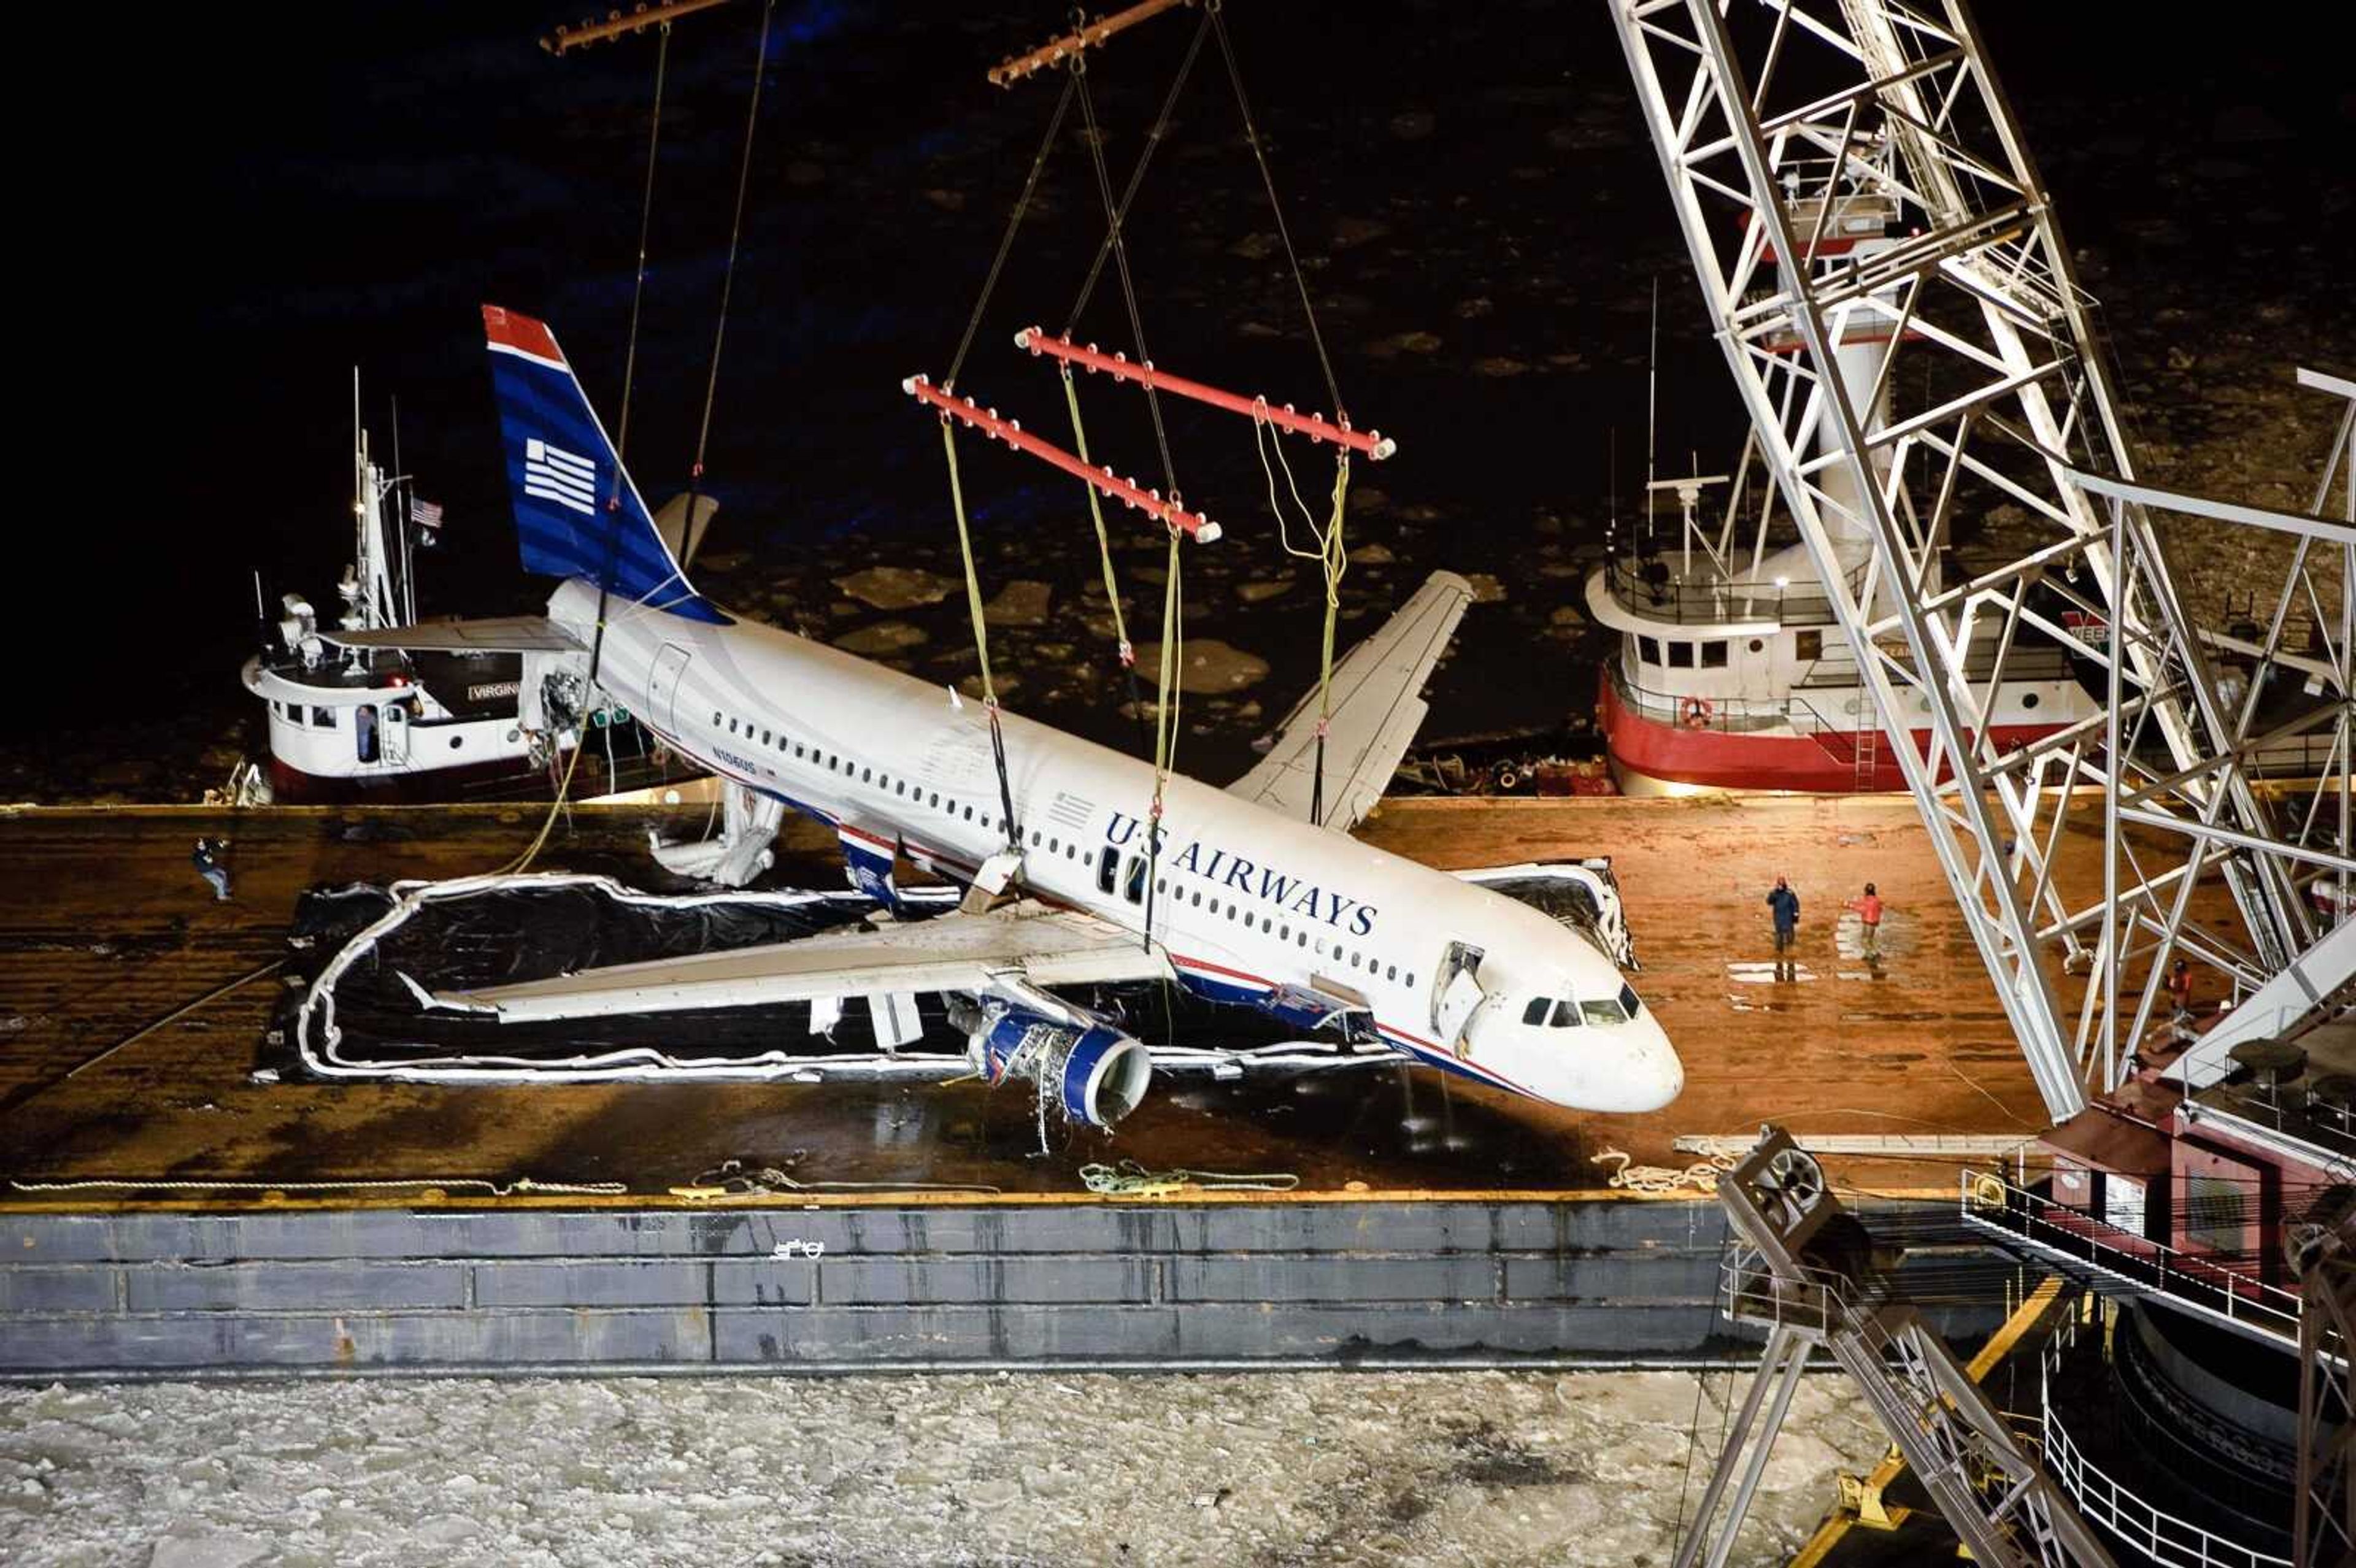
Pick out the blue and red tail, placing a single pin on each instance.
(577, 513)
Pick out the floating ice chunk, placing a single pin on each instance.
(191, 1545)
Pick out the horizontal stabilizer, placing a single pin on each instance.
(672, 524)
(497, 635)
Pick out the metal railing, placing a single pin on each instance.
(2160, 1536)
(1993, 1203)
(1656, 588)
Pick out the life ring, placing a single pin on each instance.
(1694, 711)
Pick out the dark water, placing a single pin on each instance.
(1478, 218)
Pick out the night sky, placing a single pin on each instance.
(236, 213)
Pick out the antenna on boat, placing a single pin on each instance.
(401, 523)
(1651, 404)
(1611, 489)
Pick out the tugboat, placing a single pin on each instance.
(388, 725)
(1733, 672)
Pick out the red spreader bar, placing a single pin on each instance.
(1126, 491)
(1316, 427)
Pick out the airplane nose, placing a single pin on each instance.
(1660, 1076)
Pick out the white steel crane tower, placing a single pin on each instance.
(1849, 177)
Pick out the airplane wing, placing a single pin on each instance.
(500, 634)
(1013, 950)
(1377, 708)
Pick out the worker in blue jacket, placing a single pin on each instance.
(1784, 905)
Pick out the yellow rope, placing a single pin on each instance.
(972, 578)
(1096, 515)
(980, 635)
(1332, 558)
(1130, 1180)
(563, 791)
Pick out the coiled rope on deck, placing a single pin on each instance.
(1129, 1180)
(522, 1184)
(1629, 1177)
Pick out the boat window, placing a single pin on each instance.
(1628, 1001)
(1648, 650)
(1108, 868)
(1535, 1013)
(323, 718)
(1713, 655)
(1137, 879)
(1608, 1011)
(1809, 645)
(1681, 655)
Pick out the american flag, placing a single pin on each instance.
(424, 514)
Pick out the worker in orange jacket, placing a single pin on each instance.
(1868, 920)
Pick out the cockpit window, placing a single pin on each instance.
(1566, 1016)
(1627, 1000)
(1604, 1012)
(1535, 1013)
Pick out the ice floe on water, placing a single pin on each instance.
(1391, 1468)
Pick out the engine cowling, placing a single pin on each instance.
(1095, 1073)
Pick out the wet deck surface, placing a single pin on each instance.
(104, 928)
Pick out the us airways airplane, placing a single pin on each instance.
(1239, 898)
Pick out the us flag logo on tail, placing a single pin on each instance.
(554, 475)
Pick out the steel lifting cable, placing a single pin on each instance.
(727, 277)
(1006, 241)
(630, 356)
(1330, 544)
(1164, 721)
(957, 491)
(1275, 209)
(1113, 231)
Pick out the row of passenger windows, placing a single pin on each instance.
(1108, 873)
(835, 762)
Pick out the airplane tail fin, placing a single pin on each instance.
(577, 513)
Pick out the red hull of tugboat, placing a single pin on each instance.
(501, 779)
(1709, 758)
(504, 779)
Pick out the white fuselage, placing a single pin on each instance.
(1244, 902)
